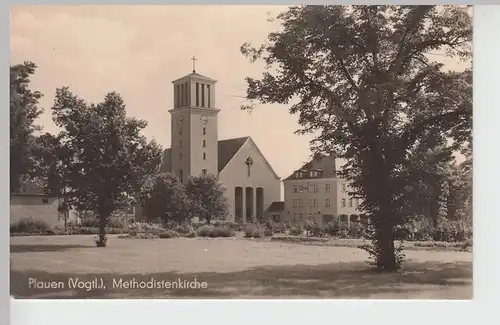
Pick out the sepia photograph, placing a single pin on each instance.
(241, 152)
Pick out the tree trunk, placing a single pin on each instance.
(103, 217)
(384, 240)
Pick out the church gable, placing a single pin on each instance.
(227, 149)
(248, 162)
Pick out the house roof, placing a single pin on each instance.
(226, 151)
(324, 164)
(31, 189)
(276, 206)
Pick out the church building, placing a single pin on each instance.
(250, 183)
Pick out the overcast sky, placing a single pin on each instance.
(138, 50)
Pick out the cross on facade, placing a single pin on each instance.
(249, 163)
(194, 63)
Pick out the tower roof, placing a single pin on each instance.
(195, 75)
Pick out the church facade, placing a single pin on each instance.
(250, 183)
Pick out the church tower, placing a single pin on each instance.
(194, 127)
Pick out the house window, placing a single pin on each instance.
(310, 216)
(301, 216)
(301, 188)
(301, 203)
(327, 203)
(310, 202)
(204, 131)
(208, 95)
(45, 201)
(315, 203)
(203, 172)
(204, 156)
(180, 130)
(181, 176)
(315, 188)
(343, 188)
(204, 143)
(350, 203)
(180, 155)
(295, 188)
(197, 94)
(327, 187)
(343, 203)
(202, 95)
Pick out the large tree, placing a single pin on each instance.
(166, 198)
(106, 160)
(24, 110)
(364, 81)
(208, 201)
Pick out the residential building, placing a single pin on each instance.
(316, 193)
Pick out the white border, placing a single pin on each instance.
(486, 284)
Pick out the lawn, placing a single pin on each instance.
(231, 268)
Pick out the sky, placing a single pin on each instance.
(138, 50)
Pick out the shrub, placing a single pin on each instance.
(214, 232)
(168, 233)
(308, 226)
(29, 225)
(356, 230)
(317, 231)
(204, 231)
(183, 229)
(268, 232)
(332, 228)
(221, 231)
(90, 223)
(279, 227)
(296, 230)
(191, 234)
(253, 231)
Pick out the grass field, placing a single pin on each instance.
(231, 268)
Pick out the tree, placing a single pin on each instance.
(106, 160)
(24, 110)
(167, 199)
(364, 82)
(207, 198)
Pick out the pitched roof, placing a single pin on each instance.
(31, 189)
(276, 206)
(196, 76)
(324, 164)
(226, 151)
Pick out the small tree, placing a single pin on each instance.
(207, 197)
(106, 159)
(167, 199)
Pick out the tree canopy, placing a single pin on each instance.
(106, 160)
(167, 199)
(364, 80)
(207, 197)
(24, 110)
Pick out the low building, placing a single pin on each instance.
(275, 211)
(315, 193)
(32, 203)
